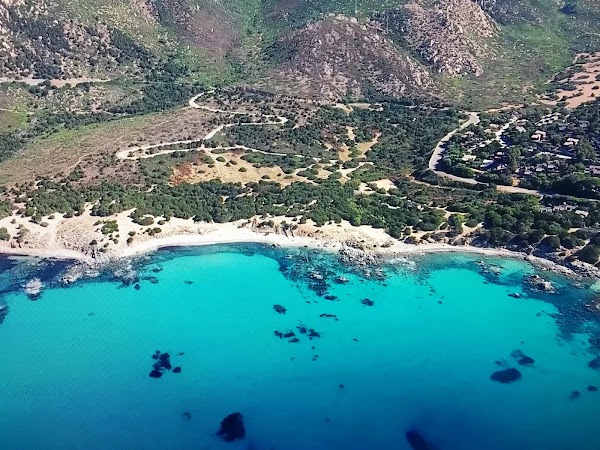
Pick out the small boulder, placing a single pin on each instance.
(155, 374)
(177, 369)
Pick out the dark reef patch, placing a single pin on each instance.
(595, 363)
(279, 309)
(232, 427)
(506, 376)
(417, 441)
(3, 312)
(522, 359)
(162, 364)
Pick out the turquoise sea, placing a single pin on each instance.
(75, 362)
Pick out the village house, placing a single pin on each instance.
(538, 136)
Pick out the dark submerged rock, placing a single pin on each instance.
(313, 334)
(294, 340)
(595, 363)
(279, 334)
(188, 282)
(417, 441)
(165, 361)
(232, 427)
(187, 416)
(331, 297)
(367, 302)
(3, 312)
(574, 395)
(522, 358)
(506, 376)
(137, 287)
(592, 388)
(156, 374)
(279, 309)
(289, 334)
(177, 369)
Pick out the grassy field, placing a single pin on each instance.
(63, 150)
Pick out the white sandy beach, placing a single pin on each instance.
(70, 238)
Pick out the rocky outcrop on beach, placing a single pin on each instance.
(33, 288)
(538, 283)
(356, 254)
(584, 269)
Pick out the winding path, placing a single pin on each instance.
(193, 103)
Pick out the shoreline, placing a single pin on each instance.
(232, 233)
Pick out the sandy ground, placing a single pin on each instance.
(587, 86)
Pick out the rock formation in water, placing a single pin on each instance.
(33, 288)
(279, 309)
(506, 376)
(232, 427)
(3, 312)
(162, 364)
(417, 441)
(522, 358)
(367, 302)
(595, 363)
(574, 395)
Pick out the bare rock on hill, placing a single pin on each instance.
(453, 36)
(340, 56)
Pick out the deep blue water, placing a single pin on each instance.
(75, 363)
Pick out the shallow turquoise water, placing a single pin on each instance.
(74, 364)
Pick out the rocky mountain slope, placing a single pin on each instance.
(340, 56)
(322, 48)
(452, 36)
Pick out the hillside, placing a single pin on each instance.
(339, 56)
